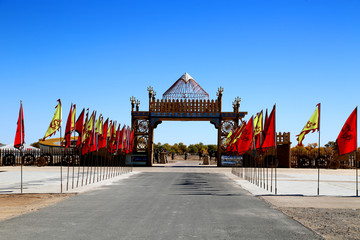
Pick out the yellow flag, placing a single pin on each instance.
(90, 124)
(101, 130)
(114, 133)
(55, 123)
(239, 132)
(109, 129)
(98, 125)
(227, 140)
(72, 128)
(258, 122)
(312, 125)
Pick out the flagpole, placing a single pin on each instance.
(357, 176)
(67, 153)
(21, 163)
(318, 186)
(73, 162)
(78, 154)
(356, 167)
(73, 155)
(21, 158)
(267, 174)
(61, 173)
(318, 182)
(275, 150)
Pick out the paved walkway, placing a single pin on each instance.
(340, 182)
(159, 205)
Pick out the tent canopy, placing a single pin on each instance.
(186, 88)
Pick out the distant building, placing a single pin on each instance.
(11, 147)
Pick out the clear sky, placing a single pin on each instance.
(97, 54)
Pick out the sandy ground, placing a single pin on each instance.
(12, 205)
(333, 217)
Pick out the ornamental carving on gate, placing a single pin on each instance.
(142, 126)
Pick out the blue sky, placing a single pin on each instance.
(97, 54)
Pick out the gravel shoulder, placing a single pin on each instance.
(331, 217)
(328, 222)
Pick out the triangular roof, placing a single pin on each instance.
(186, 88)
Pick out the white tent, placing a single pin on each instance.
(26, 147)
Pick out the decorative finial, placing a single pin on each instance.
(236, 104)
(132, 99)
(220, 91)
(150, 89)
(137, 103)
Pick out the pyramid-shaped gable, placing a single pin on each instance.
(186, 88)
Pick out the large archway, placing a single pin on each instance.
(185, 100)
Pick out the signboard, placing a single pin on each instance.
(232, 160)
(136, 159)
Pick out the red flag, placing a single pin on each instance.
(85, 147)
(127, 146)
(245, 140)
(20, 130)
(121, 139)
(79, 126)
(116, 140)
(347, 139)
(257, 141)
(88, 145)
(68, 128)
(102, 138)
(234, 137)
(270, 131)
(131, 141)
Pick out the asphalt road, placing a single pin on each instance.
(163, 205)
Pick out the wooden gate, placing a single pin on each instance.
(185, 100)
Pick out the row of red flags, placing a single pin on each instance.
(93, 134)
(252, 135)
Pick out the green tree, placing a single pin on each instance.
(182, 148)
(331, 144)
(200, 146)
(167, 147)
(193, 149)
(212, 148)
(157, 146)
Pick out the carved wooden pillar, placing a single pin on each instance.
(219, 146)
(219, 95)
(150, 149)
